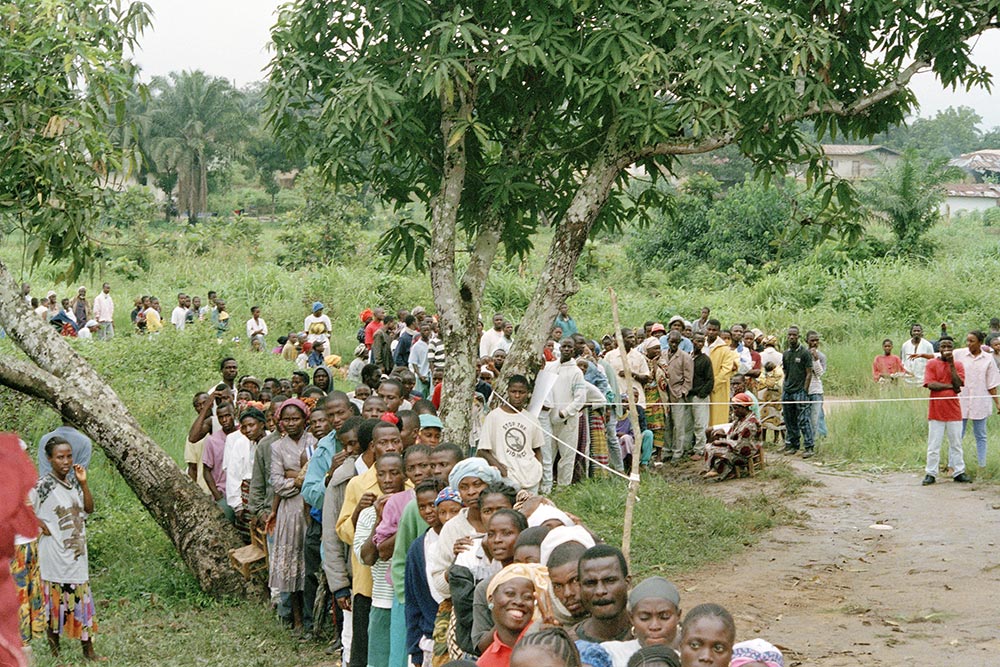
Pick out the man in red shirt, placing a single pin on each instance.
(373, 326)
(944, 377)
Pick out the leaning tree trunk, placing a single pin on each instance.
(556, 282)
(60, 377)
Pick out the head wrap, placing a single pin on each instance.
(648, 343)
(366, 315)
(92, 323)
(537, 574)
(770, 339)
(562, 535)
(654, 588)
(757, 333)
(593, 654)
(446, 494)
(307, 346)
(51, 294)
(360, 350)
(253, 412)
(430, 421)
(743, 399)
(419, 310)
(80, 288)
(756, 650)
(545, 512)
(293, 402)
(473, 467)
(317, 306)
(390, 417)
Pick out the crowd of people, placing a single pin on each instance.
(423, 551)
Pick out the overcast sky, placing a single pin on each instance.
(229, 38)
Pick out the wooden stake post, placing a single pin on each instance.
(633, 417)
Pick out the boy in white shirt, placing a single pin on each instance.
(512, 438)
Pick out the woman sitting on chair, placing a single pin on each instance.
(732, 450)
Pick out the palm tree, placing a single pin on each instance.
(192, 120)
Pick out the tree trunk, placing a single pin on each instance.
(64, 380)
(556, 282)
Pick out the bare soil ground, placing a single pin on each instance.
(833, 591)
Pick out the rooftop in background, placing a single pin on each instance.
(984, 160)
(985, 190)
(846, 150)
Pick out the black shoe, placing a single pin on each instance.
(963, 478)
(928, 480)
(789, 450)
(808, 454)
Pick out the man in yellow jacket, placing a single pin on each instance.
(725, 361)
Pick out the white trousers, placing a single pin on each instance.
(936, 432)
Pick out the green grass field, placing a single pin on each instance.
(149, 606)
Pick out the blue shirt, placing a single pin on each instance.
(685, 344)
(314, 483)
(567, 324)
(595, 377)
(81, 445)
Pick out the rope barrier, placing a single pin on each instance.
(826, 401)
(569, 447)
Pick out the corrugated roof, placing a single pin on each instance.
(985, 160)
(983, 190)
(854, 149)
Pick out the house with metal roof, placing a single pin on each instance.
(857, 161)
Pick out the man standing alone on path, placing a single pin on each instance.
(944, 377)
(104, 313)
(798, 363)
(916, 352)
(981, 381)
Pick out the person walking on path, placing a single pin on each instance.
(944, 378)
(981, 381)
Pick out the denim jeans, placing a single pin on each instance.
(798, 419)
(818, 418)
(979, 432)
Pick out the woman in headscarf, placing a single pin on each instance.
(323, 379)
(728, 452)
(756, 651)
(654, 607)
(656, 395)
(289, 458)
(517, 596)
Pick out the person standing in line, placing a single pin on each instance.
(569, 395)
(680, 376)
(916, 352)
(701, 325)
(981, 381)
(179, 315)
(80, 306)
(797, 363)
(816, 385)
(565, 321)
(702, 382)
(104, 313)
(725, 361)
(944, 378)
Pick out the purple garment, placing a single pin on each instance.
(392, 511)
(215, 448)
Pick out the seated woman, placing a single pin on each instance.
(730, 451)
(517, 595)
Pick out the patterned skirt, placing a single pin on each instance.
(28, 581)
(441, 623)
(656, 416)
(69, 610)
(243, 527)
(598, 443)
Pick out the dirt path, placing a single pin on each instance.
(833, 591)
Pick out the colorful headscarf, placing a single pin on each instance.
(446, 494)
(593, 654)
(538, 575)
(473, 467)
(756, 650)
(747, 400)
(546, 512)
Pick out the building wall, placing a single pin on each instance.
(953, 205)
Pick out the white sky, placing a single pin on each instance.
(228, 38)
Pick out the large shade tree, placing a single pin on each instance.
(501, 114)
(63, 88)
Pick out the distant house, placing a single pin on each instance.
(980, 163)
(852, 161)
(970, 197)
